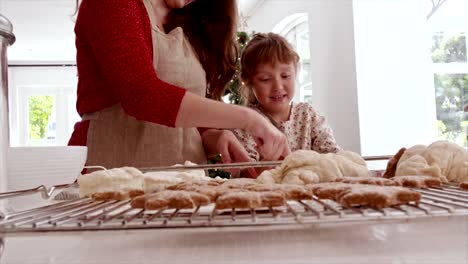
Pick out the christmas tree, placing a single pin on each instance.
(233, 90)
(233, 94)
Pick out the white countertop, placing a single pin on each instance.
(428, 240)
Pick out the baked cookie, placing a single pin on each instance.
(208, 188)
(261, 187)
(244, 184)
(290, 191)
(464, 185)
(417, 181)
(238, 183)
(392, 164)
(189, 184)
(367, 180)
(294, 192)
(239, 199)
(361, 194)
(114, 195)
(170, 199)
(272, 199)
(377, 196)
(327, 190)
(139, 201)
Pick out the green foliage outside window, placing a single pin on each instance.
(40, 108)
(446, 50)
(451, 90)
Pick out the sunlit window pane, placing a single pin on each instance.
(451, 92)
(298, 36)
(448, 47)
(42, 121)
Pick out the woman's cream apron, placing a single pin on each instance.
(116, 139)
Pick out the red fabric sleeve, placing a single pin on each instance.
(80, 134)
(115, 32)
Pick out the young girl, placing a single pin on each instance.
(269, 66)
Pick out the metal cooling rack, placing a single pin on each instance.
(86, 214)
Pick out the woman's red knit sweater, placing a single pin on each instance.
(115, 65)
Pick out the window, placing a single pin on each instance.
(42, 105)
(295, 29)
(411, 73)
(449, 27)
(42, 120)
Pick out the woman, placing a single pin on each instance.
(143, 71)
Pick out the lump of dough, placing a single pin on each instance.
(117, 180)
(308, 166)
(441, 159)
(159, 180)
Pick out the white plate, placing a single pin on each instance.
(29, 167)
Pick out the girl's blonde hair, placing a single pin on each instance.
(263, 48)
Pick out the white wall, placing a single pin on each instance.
(43, 30)
(332, 53)
(396, 96)
(396, 92)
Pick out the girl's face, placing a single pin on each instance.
(273, 86)
(175, 4)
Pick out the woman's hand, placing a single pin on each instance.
(224, 142)
(272, 144)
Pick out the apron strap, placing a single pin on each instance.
(149, 9)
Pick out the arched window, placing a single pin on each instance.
(295, 28)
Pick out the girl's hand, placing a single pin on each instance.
(224, 142)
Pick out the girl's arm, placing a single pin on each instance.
(224, 142)
(323, 140)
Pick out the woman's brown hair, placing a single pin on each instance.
(263, 48)
(210, 26)
(77, 6)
